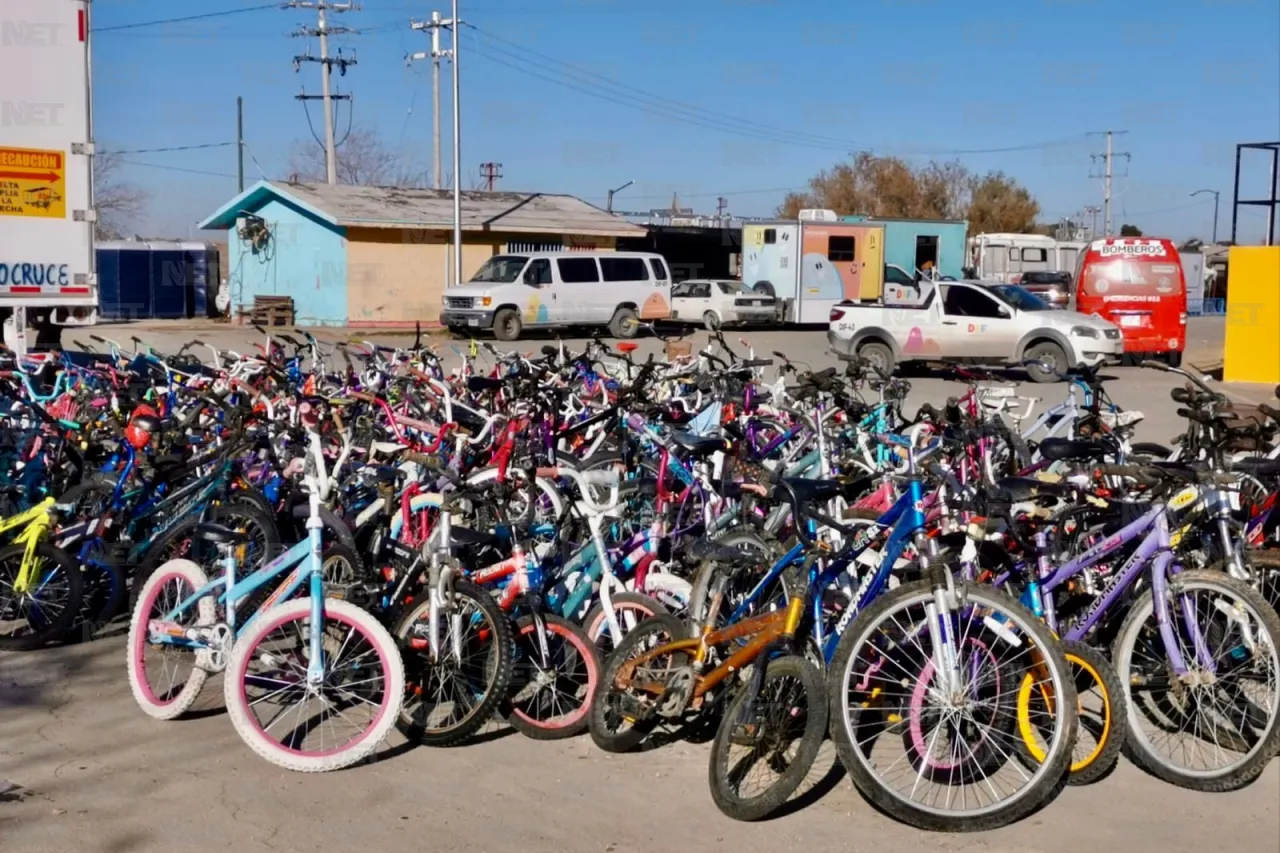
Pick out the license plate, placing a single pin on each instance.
(1130, 321)
(473, 321)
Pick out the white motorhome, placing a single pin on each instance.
(47, 274)
(1005, 257)
(516, 291)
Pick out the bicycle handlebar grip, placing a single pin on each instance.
(547, 473)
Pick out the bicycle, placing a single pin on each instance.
(303, 649)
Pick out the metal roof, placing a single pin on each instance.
(392, 207)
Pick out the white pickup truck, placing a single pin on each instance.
(988, 323)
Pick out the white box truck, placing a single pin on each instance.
(47, 275)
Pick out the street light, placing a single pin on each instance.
(609, 204)
(1215, 211)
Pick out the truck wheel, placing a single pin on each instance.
(624, 324)
(711, 320)
(1052, 355)
(879, 355)
(507, 325)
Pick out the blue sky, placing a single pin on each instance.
(742, 98)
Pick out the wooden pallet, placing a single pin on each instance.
(268, 311)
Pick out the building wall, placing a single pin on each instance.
(900, 244)
(306, 258)
(398, 275)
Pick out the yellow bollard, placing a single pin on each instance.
(1252, 351)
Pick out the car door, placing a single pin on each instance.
(543, 305)
(977, 324)
(578, 293)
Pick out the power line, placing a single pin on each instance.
(176, 169)
(174, 148)
(206, 15)
(647, 101)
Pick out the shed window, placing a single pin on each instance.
(770, 236)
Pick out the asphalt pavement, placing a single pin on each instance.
(81, 768)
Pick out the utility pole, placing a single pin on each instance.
(1107, 159)
(491, 173)
(1093, 210)
(327, 63)
(454, 23)
(435, 25)
(240, 143)
(722, 205)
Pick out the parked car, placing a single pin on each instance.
(721, 302)
(544, 289)
(968, 320)
(1053, 287)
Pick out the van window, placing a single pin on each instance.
(623, 269)
(659, 269)
(1035, 256)
(840, 248)
(770, 235)
(538, 273)
(578, 270)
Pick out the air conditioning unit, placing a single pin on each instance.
(817, 215)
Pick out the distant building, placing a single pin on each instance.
(382, 256)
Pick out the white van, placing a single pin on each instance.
(514, 292)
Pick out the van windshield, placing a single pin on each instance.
(500, 269)
(1023, 300)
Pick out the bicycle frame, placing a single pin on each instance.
(1154, 551)
(36, 522)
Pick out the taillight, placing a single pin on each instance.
(836, 314)
(1182, 318)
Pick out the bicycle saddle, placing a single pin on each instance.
(220, 535)
(1055, 449)
(696, 445)
(709, 549)
(1019, 489)
(808, 491)
(477, 384)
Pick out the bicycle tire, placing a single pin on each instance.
(596, 628)
(516, 712)
(1137, 747)
(386, 656)
(1048, 778)
(606, 718)
(180, 702)
(814, 730)
(499, 644)
(46, 631)
(1089, 664)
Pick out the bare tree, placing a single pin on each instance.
(364, 159)
(119, 202)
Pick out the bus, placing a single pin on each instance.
(1138, 284)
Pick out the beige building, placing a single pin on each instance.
(380, 256)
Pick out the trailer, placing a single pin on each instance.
(48, 276)
(813, 263)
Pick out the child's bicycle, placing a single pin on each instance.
(41, 587)
(326, 665)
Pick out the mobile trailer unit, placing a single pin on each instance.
(47, 275)
(813, 265)
(909, 243)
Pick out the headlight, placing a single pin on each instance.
(1084, 331)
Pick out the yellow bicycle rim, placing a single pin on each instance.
(1028, 731)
